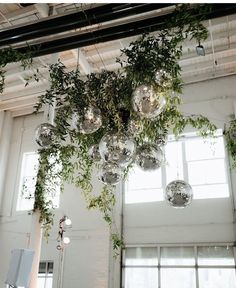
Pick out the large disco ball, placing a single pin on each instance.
(94, 153)
(45, 135)
(91, 120)
(178, 194)
(163, 78)
(118, 148)
(110, 173)
(149, 157)
(147, 102)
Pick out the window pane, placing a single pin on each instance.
(177, 256)
(217, 278)
(42, 267)
(142, 196)
(218, 255)
(207, 172)
(143, 186)
(139, 179)
(41, 282)
(141, 256)
(27, 183)
(141, 277)
(48, 283)
(50, 267)
(211, 191)
(178, 278)
(174, 166)
(198, 148)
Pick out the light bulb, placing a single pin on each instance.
(66, 240)
(68, 222)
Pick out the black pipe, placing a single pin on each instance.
(74, 21)
(117, 32)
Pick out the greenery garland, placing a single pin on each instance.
(111, 92)
(9, 55)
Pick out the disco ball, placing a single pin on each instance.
(147, 102)
(45, 135)
(94, 153)
(135, 127)
(163, 78)
(91, 120)
(118, 148)
(178, 194)
(149, 157)
(110, 173)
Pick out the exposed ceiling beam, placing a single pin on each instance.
(73, 21)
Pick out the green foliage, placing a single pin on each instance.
(9, 55)
(230, 135)
(111, 92)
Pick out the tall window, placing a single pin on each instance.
(179, 267)
(45, 275)
(200, 162)
(29, 169)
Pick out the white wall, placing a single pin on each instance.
(87, 259)
(87, 256)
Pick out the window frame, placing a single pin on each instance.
(19, 184)
(47, 275)
(183, 139)
(160, 266)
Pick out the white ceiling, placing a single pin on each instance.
(220, 59)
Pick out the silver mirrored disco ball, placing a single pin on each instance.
(134, 127)
(163, 78)
(45, 135)
(118, 148)
(110, 173)
(94, 153)
(149, 157)
(178, 194)
(91, 120)
(147, 102)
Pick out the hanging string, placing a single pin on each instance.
(91, 31)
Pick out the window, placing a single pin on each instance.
(45, 275)
(27, 183)
(179, 267)
(201, 162)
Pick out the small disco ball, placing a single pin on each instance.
(45, 135)
(91, 120)
(110, 173)
(118, 148)
(135, 127)
(163, 78)
(147, 102)
(178, 194)
(162, 140)
(149, 157)
(94, 153)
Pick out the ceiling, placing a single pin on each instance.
(219, 61)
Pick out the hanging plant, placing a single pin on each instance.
(105, 122)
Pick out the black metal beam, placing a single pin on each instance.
(120, 31)
(76, 20)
